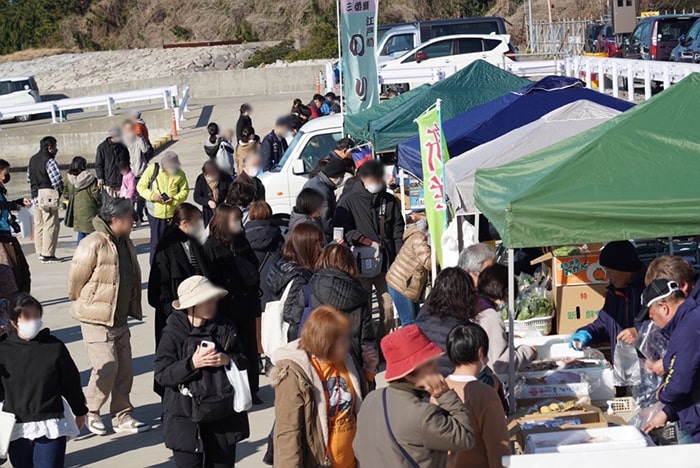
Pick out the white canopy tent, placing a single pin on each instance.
(558, 125)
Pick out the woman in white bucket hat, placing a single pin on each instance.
(199, 424)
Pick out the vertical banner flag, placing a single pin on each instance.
(358, 37)
(434, 156)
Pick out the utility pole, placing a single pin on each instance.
(531, 29)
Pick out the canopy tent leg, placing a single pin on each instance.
(477, 225)
(459, 219)
(433, 260)
(511, 330)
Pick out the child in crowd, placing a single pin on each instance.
(84, 198)
(128, 189)
(468, 349)
(32, 358)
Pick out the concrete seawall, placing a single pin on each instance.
(211, 84)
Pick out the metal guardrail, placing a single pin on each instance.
(182, 108)
(106, 100)
(628, 71)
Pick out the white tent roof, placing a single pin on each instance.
(558, 125)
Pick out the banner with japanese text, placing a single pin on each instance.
(434, 156)
(358, 63)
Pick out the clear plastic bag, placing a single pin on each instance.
(534, 299)
(652, 344)
(626, 366)
(645, 415)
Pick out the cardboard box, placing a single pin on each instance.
(577, 306)
(529, 394)
(578, 269)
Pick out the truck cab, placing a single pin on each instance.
(314, 141)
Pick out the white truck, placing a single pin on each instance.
(315, 140)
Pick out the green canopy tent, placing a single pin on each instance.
(633, 177)
(472, 86)
(357, 125)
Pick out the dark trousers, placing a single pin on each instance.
(249, 340)
(38, 453)
(140, 203)
(157, 226)
(218, 453)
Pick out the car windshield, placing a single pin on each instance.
(289, 151)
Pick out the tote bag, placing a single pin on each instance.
(242, 398)
(274, 328)
(7, 425)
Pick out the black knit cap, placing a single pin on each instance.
(335, 167)
(620, 256)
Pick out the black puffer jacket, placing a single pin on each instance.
(340, 290)
(266, 240)
(173, 367)
(171, 266)
(358, 214)
(281, 273)
(107, 158)
(437, 328)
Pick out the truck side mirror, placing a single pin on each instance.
(298, 167)
(420, 56)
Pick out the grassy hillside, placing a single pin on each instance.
(307, 24)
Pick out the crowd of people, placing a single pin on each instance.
(214, 270)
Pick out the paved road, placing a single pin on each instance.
(49, 286)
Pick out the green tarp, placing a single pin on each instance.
(357, 125)
(636, 176)
(392, 122)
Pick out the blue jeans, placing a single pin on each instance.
(81, 236)
(38, 453)
(684, 437)
(407, 310)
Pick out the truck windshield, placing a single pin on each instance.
(290, 150)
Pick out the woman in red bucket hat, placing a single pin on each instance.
(397, 426)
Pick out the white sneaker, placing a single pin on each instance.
(95, 425)
(130, 425)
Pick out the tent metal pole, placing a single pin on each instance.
(401, 192)
(670, 245)
(511, 330)
(433, 259)
(477, 216)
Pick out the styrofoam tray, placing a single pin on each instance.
(585, 440)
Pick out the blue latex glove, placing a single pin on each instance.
(582, 336)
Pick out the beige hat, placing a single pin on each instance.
(196, 290)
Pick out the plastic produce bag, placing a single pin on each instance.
(25, 219)
(242, 397)
(626, 365)
(652, 344)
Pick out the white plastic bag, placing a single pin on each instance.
(626, 365)
(25, 219)
(242, 398)
(224, 158)
(273, 327)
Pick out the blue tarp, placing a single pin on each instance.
(495, 118)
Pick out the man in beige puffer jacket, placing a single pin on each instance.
(104, 283)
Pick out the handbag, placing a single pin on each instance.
(48, 199)
(7, 425)
(403, 451)
(273, 327)
(224, 158)
(242, 397)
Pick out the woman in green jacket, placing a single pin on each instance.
(84, 198)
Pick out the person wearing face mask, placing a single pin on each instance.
(110, 153)
(178, 256)
(325, 183)
(274, 144)
(198, 346)
(14, 270)
(468, 348)
(236, 268)
(84, 198)
(164, 186)
(104, 285)
(210, 189)
(36, 374)
(492, 288)
(371, 216)
(250, 170)
(46, 186)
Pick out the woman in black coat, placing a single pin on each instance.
(236, 270)
(182, 362)
(210, 189)
(178, 256)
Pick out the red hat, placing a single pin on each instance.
(407, 349)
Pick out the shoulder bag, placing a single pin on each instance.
(274, 328)
(369, 258)
(403, 451)
(48, 199)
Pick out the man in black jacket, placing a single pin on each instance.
(109, 154)
(325, 183)
(370, 216)
(244, 121)
(274, 145)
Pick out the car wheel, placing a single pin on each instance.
(23, 118)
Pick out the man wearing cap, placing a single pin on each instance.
(397, 426)
(110, 153)
(325, 183)
(616, 320)
(104, 283)
(163, 186)
(273, 146)
(679, 320)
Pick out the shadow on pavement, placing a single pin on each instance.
(142, 365)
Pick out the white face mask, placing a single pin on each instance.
(374, 188)
(252, 171)
(198, 232)
(29, 329)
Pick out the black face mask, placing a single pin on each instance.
(6, 179)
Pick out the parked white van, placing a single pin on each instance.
(315, 140)
(19, 91)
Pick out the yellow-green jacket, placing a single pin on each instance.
(174, 186)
